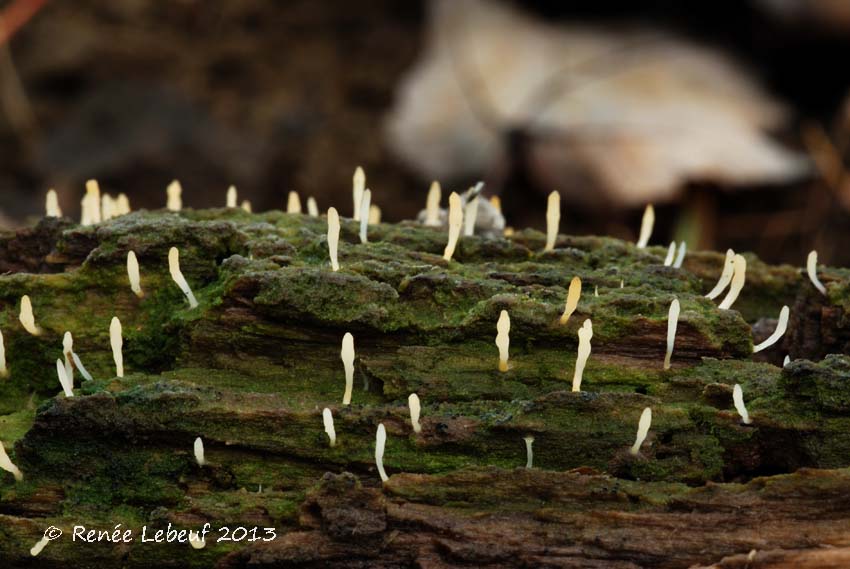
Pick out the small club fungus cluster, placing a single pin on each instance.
(199, 452)
(177, 276)
(328, 420)
(781, 326)
(174, 194)
(646, 225)
(672, 324)
(432, 205)
(585, 333)
(812, 271)
(738, 401)
(572, 299)
(347, 355)
(134, 275)
(26, 316)
(380, 443)
(553, 218)
(643, 429)
(72, 360)
(333, 237)
(503, 329)
(455, 224)
(116, 341)
(415, 410)
(7, 465)
(739, 276)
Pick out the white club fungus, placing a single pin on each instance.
(86, 375)
(572, 299)
(122, 204)
(328, 420)
(26, 316)
(6, 464)
(64, 380)
(786, 361)
(671, 254)
(347, 355)
(455, 223)
(312, 207)
(51, 204)
(529, 454)
(739, 276)
(67, 352)
(415, 410)
(596, 290)
(199, 452)
(116, 341)
(781, 325)
(553, 218)
(672, 323)
(585, 333)
(725, 275)
(470, 216)
(646, 224)
(643, 429)
(333, 237)
(380, 443)
(680, 256)
(174, 193)
(358, 186)
(107, 207)
(365, 202)
(196, 540)
(503, 329)
(177, 276)
(134, 275)
(232, 197)
(40, 544)
(432, 205)
(374, 215)
(738, 400)
(293, 203)
(812, 270)
(91, 204)
(4, 371)
(246, 206)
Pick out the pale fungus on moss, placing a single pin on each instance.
(196, 540)
(39, 546)
(596, 291)
(246, 206)
(680, 256)
(333, 237)
(646, 224)
(415, 410)
(328, 420)
(374, 215)
(4, 371)
(380, 443)
(672, 323)
(134, 275)
(529, 454)
(27, 318)
(671, 254)
(79, 365)
(643, 429)
(64, 380)
(781, 326)
(199, 452)
(496, 202)
(786, 361)
(7, 465)
(122, 204)
(174, 193)
(812, 271)
(107, 207)
(312, 207)
(67, 352)
(358, 186)
(553, 219)
(51, 204)
(738, 400)
(470, 215)
(177, 276)
(116, 341)
(365, 203)
(91, 204)
(585, 333)
(347, 356)
(455, 224)
(293, 202)
(739, 276)
(503, 329)
(725, 275)
(232, 197)
(573, 295)
(432, 205)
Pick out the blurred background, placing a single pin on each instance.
(732, 117)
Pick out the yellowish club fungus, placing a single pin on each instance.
(646, 224)
(6, 464)
(312, 207)
(365, 203)
(347, 355)
(117, 342)
(553, 218)
(503, 341)
(122, 204)
(672, 323)
(196, 540)
(671, 254)
(415, 410)
(358, 186)
(134, 275)
(380, 443)
(51, 204)
(596, 290)
(643, 429)
(781, 325)
(739, 276)
(107, 207)
(572, 299)
(232, 197)
(680, 256)
(470, 216)
(328, 420)
(529, 454)
(293, 203)
(67, 352)
(199, 452)
(508, 232)
(64, 380)
(585, 333)
(39, 546)
(496, 202)
(374, 215)
(812, 270)
(4, 371)
(333, 237)
(432, 205)
(246, 206)
(725, 275)
(738, 400)
(91, 204)
(174, 193)
(455, 223)
(26, 316)
(177, 276)
(622, 283)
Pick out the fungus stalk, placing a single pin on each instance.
(117, 342)
(312, 207)
(328, 420)
(365, 203)
(51, 204)
(64, 380)
(739, 276)
(585, 333)
(646, 225)
(333, 237)
(232, 198)
(26, 316)
(415, 410)
(725, 275)
(174, 192)
(553, 218)
(738, 400)
(781, 326)
(134, 275)
(643, 429)
(503, 329)
(67, 352)
(199, 452)
(4, 371)
(528, 452)
(812, 270)
(455, 223)
(432, 205)
(177, 276)
(293, 203)
(358, 186)
(470, 216)
(347, 355)
(572, 299)
(671, 254)
(672, 323)
(380, 443)
(680, 256)
(6, 464)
